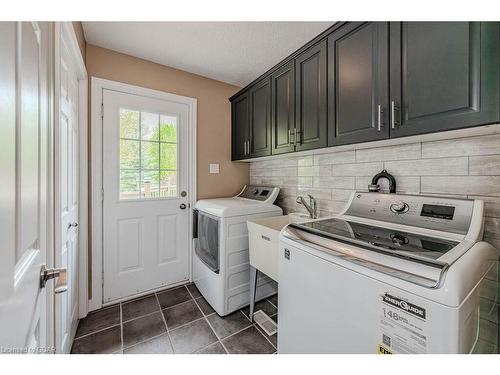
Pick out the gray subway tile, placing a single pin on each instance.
(334, 182)
(400, 152)
(492, 227)
(482, 145)
(484, 165)
(315, 170)
(335, 158)
(428, 167)
(470, 185)
(358, 169)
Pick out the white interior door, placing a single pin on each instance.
(145, 190)
(66, 190)
(24, 187)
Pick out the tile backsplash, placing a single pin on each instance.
(466, 167)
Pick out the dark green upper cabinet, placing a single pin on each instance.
(443, 75)
(240, 127)
(260, 118)
(358, 83)
(310, 98)
(283, 108)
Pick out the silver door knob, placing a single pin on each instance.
(182, 206)
(51, 273)
(73, 225)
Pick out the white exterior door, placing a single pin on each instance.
(145, 187)
(66, 189)
(24, 188)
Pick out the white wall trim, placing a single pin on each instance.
(97, 87)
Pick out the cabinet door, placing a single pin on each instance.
(240, 126)
(283, 108)
(310, 98)
(358, 83)
(260, 118)
(444, 75)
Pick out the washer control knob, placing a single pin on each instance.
(399, 207)
(255, 191)
(399, 239)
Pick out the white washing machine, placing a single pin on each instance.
(392, 274)
(220, 263)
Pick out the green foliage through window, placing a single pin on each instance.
(148, 154)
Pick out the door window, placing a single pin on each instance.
(148, 155)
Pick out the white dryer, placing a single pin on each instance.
(392, 274)
(220, 263)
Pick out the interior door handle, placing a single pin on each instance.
(51, 273)
(73, 225)
(182, 206)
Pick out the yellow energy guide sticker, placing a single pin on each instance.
(382, 350)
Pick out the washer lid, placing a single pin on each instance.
(227, 207)
(380, 238)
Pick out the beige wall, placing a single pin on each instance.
(80, 37)
(214, 130)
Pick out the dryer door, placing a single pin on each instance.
(207, 242)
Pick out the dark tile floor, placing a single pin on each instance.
(177, 320)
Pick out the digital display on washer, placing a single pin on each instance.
(263, 193)
(439, 212)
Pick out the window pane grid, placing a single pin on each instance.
(148, 155)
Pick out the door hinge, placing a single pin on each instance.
(102, 110)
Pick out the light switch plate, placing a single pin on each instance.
(214, 168)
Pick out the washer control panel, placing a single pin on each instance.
(445, 214)
(260, 193)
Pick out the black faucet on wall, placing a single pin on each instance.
(375, 187)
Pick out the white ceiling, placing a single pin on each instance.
(232, 52)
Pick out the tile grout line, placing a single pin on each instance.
(267, 299)
(185, 324)
(269, 341)
(165, 322)
(205, 317)
(121, 326)
(98, 331)
(255, 324)
(143, 341)
(142, 316)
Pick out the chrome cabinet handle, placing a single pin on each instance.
(379, 117)
(394, 108)
(296, 136)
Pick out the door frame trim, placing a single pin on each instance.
(97, 87)
(66, 30)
